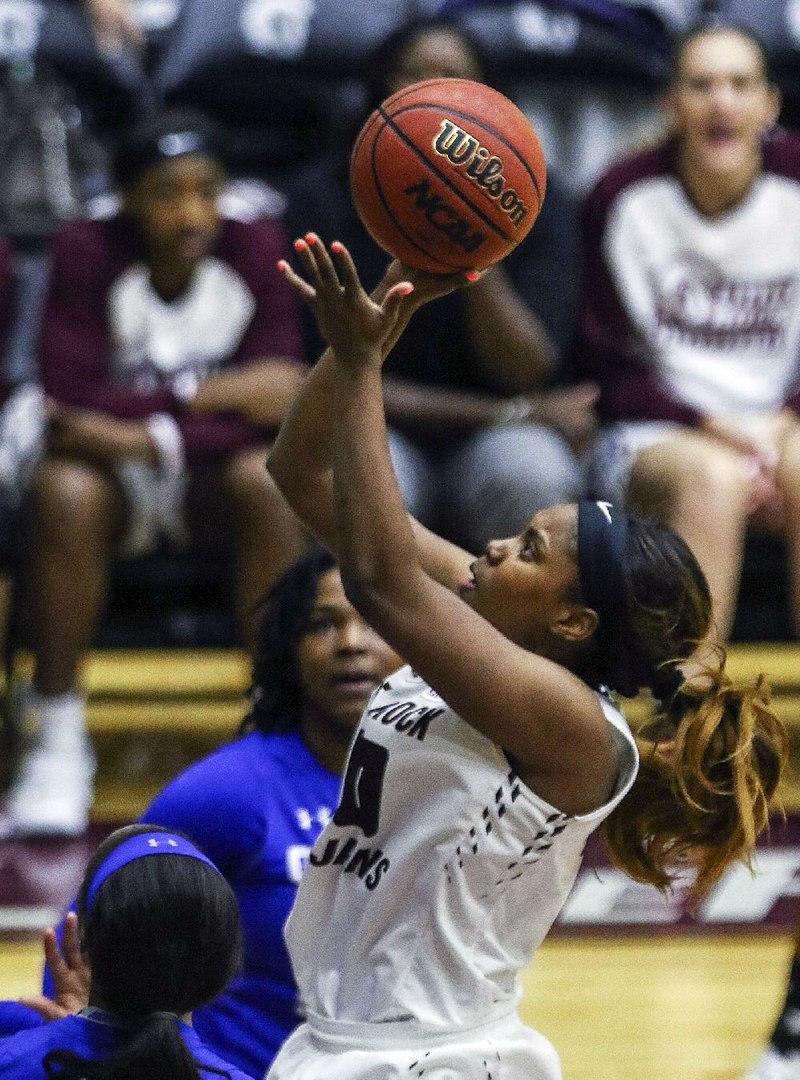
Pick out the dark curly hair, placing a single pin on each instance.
(276, 693)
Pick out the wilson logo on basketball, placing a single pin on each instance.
(484, 168)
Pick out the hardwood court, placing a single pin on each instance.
(683, 1008)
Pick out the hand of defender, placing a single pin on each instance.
(70, 972)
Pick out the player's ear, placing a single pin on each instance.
(575, 623)
(772, 106)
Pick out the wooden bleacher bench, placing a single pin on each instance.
(146, 691)
(779, 661)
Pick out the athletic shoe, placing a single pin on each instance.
(51, 792)
(774, 1066)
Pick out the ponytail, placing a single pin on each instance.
(153, 1050)
(713, 756)
(702, 797)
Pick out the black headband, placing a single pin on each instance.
(140, 155)
(602, 542)
(602, 549)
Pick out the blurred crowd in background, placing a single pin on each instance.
(287, 82)
(150, 347)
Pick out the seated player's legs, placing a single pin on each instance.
(238, 505)
(789, 486)
(76, 514)
(702, 489)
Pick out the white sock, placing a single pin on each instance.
(62, 721)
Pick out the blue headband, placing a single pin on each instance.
(602, 543)
(138, 847)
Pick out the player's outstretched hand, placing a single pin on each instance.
(354, 325)
(358, 327)
(70, 972)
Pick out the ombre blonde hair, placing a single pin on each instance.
(712, 758)
(703, 794)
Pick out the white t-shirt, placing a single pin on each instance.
(718, 299)
(684, 311)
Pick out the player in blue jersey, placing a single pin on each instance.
(160, 930)
(257, 804)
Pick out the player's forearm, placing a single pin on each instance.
(417, 403)
(512, 343)
(375, 541)
(301, 458)
(261, 390)
(95, 434)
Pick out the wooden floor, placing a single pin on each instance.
(688, 1008)
(644, 1009)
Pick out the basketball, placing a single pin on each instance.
(447, 175)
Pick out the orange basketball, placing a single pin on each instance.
(447, 175)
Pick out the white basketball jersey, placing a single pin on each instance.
(440, 872)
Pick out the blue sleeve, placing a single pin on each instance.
(15, 1017)
(214, 803)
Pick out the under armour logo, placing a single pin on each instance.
(606, 509)
(157, 843)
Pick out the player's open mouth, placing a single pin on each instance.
(720, 135)
(355, 682)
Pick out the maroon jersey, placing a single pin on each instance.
(109, 342)
(684, 315)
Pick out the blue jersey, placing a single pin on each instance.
(15, 1017)
(255, 807)
(93, 1037)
